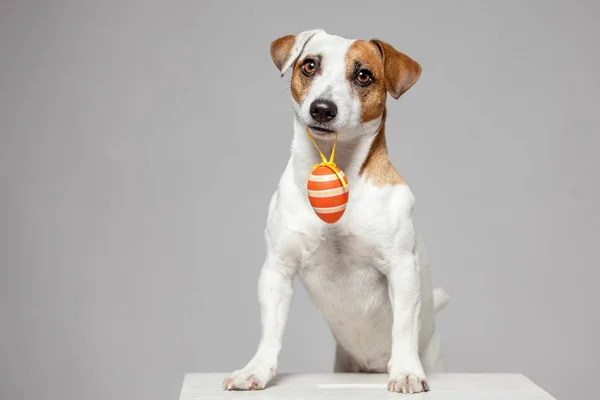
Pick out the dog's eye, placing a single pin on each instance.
(363, 77)
(309, 67)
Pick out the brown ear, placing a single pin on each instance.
(400, 71)
(286, 49)
(281, 49)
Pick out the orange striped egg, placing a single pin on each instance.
(327, 196)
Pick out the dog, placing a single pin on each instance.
(368, 273)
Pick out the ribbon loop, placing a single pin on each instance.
(329, 164)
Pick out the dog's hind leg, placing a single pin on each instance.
(431, 356)
(344, 361)
(440, 299)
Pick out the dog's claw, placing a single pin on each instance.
(224, 384)
(253, 384)
(227, 384)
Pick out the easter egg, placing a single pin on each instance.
(326, 193)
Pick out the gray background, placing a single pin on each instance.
(141, 141)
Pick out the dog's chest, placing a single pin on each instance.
(341, 277)
(341, 263)
(340, 271)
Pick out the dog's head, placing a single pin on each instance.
(340, 85)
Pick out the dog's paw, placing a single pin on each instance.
(251, 377)
(408, 377)
(407, 383)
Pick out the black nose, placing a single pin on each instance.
(323, 110)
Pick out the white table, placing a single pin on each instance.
(368, 386)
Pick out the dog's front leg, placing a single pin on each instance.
(275, 294)
(406, 372)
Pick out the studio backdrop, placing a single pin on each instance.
(140, 142)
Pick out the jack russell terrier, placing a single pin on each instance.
(368, 273)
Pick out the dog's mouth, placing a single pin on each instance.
(320, 130)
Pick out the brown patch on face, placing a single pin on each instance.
(301, 83)
(363, 54)
(281, 50)
(377, 167)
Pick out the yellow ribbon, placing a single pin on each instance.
(329, 164)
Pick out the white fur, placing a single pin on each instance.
(368, 274)
(330, 84)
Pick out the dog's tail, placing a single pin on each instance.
(440, 299)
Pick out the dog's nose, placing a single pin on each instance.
(323, 110)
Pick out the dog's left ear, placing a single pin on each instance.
(400, 71)
(286, 50)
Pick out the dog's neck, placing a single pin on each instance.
(356, 152)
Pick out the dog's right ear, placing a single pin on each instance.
(286, 50)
